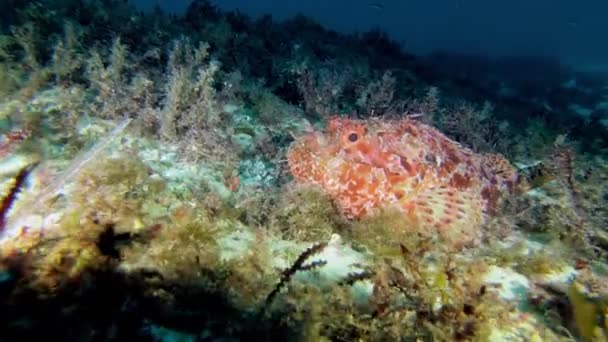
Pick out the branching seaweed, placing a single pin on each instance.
(11, 196)
(354, 277)
(297, 266)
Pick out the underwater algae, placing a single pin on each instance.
(156, 179)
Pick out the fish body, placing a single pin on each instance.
(364, 165)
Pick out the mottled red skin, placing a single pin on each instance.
(367, 164)
(10, 141)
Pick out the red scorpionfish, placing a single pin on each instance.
(437, 183)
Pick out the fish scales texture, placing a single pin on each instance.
(364, 165)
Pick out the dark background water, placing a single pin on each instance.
(572, 31)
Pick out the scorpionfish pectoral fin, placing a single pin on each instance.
(454, 214)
